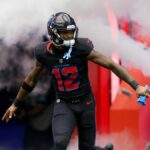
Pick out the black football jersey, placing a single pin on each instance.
(70, 76)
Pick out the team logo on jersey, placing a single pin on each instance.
(61, 61)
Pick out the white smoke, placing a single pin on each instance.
(21, 19)
(138, 10)
(121, 141)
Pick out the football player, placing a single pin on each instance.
(65, 56)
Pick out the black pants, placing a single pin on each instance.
(67, 115)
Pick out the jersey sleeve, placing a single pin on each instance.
(85, 46)
(38, 53)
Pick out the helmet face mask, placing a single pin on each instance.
(59, 24)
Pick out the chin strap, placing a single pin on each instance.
(67, 55)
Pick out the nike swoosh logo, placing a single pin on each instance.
(89, 102)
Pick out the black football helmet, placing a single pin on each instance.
(61, 22)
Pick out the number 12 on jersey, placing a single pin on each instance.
(66, 78)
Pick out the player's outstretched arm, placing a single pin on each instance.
(122, 73)
(26, 87)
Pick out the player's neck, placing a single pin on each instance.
(59, 50)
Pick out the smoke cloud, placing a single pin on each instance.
(24, 21)
(121, 141)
